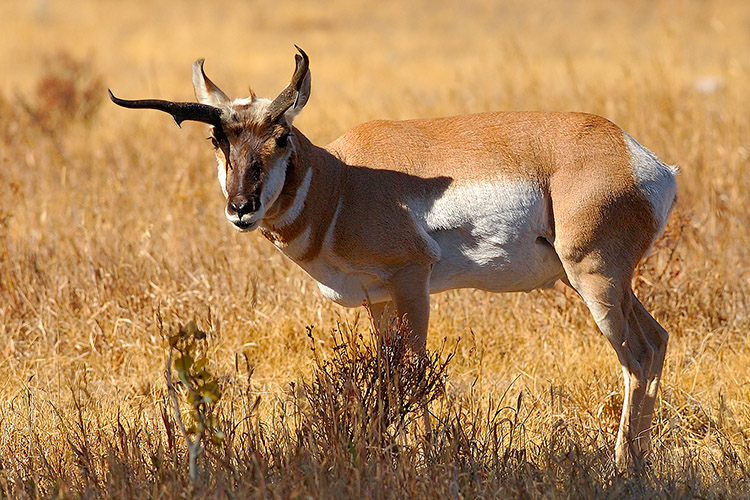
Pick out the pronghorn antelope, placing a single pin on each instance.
(391, 212)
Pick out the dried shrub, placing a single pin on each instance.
(68, 91)
(364, 398)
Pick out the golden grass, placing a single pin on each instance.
(110, 217)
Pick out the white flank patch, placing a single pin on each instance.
(488, 236)
(495, 210)
(298, 203)
(655, 178)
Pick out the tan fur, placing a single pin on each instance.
(318, 210)
(601, 223)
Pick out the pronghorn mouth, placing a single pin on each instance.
(246, 225)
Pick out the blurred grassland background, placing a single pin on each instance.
(109, 217)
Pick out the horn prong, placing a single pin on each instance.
(288, 96)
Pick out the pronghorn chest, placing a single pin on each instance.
(338, 279)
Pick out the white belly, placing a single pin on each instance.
(345, 285)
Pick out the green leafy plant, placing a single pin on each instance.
(196, 385)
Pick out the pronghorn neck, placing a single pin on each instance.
(307, 201)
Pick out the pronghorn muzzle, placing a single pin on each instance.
(242, 207)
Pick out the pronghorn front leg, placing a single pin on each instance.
(410, 294)
(382, 315)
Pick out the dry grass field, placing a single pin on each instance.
(112, 234)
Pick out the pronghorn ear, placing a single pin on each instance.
(206, 91)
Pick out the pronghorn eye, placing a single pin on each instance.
(282, 140)
(214, 142)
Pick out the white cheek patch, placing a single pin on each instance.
(273, 184)
(222, 174)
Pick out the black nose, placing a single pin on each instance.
(242, 208)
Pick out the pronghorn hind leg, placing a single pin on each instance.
(657, 337)
(610, 300)
(600, 236)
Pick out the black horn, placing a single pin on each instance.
(180, 111)
(288, 97)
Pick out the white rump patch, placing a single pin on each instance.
(655, 178)
(222, 174)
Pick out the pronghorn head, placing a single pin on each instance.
(252, 138)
